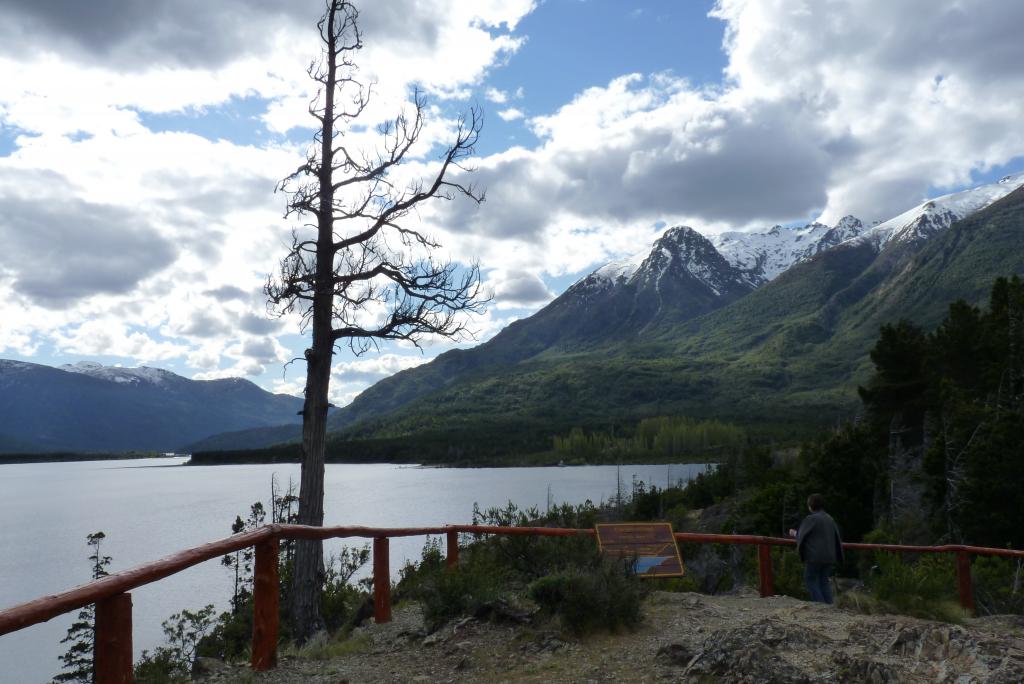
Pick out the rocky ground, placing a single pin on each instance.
(685, 638)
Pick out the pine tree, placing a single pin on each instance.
(77, 661)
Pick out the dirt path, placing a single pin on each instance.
(684, 638)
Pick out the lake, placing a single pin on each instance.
(154, 507)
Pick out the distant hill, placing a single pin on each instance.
(89, 407)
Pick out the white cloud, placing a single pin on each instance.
(518, 289)
(111, 337)
(496, 96)
(511, 114)
(373, 368)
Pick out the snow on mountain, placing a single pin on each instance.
(763, 256)
(938, 214)
(154, 376)
(619, 270)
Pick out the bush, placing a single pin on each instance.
(605, 596)
(998, 585)
(341, 599)
(448, 593)
(925, 588)
(459, 591)
(526, 558)
(788, 573)
(172, 663)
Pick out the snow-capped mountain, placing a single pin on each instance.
(760, 257)
(730, 258)
(937, 214)
(687, 253)
(681, 251)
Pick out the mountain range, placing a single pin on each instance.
(767, 327)
(94, 408)
(771, 327)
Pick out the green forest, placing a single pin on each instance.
(935, 455)
(675, 439)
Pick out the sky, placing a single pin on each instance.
(141, 144)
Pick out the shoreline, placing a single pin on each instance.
(71, 457)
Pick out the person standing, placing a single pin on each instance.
(820, 548)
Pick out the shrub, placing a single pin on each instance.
(604, 596)
(448, 593)
(173, 663)
(998, 585)
(925, 588)
(459, 591)
(340, 598)
(788, 573)
(527, 558)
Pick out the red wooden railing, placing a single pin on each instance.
(113, 655)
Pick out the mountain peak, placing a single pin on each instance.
(681, 233)
(688, 255)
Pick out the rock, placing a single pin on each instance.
(678, 655)
(205, 667)
(435, 638)
(551, 643)
(753, 651)
(854, 670)
(756, 663)
(503, 612)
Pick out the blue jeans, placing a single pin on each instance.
(816, 577)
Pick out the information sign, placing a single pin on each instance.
(651, 544)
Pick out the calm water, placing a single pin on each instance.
(149, 509)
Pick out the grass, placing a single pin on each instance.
(341, 645)
(941, 610)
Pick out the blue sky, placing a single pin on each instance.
(139, 149)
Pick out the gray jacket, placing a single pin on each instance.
(818, 540)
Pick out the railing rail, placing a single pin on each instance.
(113, 656)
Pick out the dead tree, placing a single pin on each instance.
(355, 273)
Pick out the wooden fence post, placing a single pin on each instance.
(764, 566)
(266, 601)
(963, 572)
(112, 655)
(381, 581)
(453, 548)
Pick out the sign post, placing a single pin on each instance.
(651, 545)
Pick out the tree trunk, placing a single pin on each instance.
(308, 571)
(308, 574)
